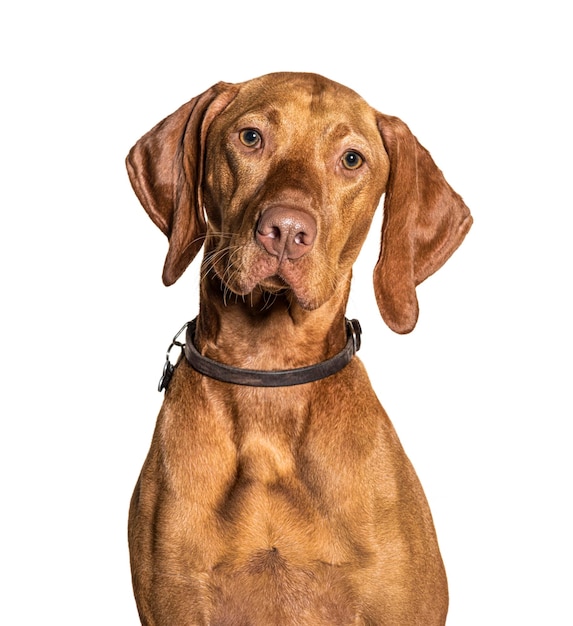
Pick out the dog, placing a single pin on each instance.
(276, 491)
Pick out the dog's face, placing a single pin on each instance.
(280, 177)
(298, 151)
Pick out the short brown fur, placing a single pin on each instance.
(293, 505)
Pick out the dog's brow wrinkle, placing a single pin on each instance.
(274, 116)
(339, 131)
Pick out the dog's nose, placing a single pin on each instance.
(283, 231)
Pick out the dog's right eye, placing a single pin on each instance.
(250, 137)
(352, 160)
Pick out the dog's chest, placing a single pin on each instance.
(274, 486)
(285, 548)
(288, 497)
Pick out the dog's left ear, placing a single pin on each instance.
(165, 168)
(425, 220)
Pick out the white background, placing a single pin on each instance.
(480, 392)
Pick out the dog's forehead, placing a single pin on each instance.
(303, 98)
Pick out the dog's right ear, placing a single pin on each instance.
(165, 168)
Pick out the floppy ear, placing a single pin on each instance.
(425, 220)
(165, 168)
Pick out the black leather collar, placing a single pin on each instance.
(269, 378)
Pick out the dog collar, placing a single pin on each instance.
(260, 378)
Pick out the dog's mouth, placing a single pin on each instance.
(277, 285)
(274, 285)
(259, 275)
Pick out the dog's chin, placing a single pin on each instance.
(272, 291)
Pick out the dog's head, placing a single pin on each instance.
(280, 177)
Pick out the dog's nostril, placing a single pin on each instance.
(274, 233)
(300, 238)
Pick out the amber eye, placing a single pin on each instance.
(352, 160)
(250, 137)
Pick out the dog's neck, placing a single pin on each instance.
(268, 331)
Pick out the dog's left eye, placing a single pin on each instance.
(250, 137)
(352, 160)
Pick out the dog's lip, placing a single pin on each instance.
(274, 284)
(277, 284)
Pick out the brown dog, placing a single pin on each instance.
(292, 504)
